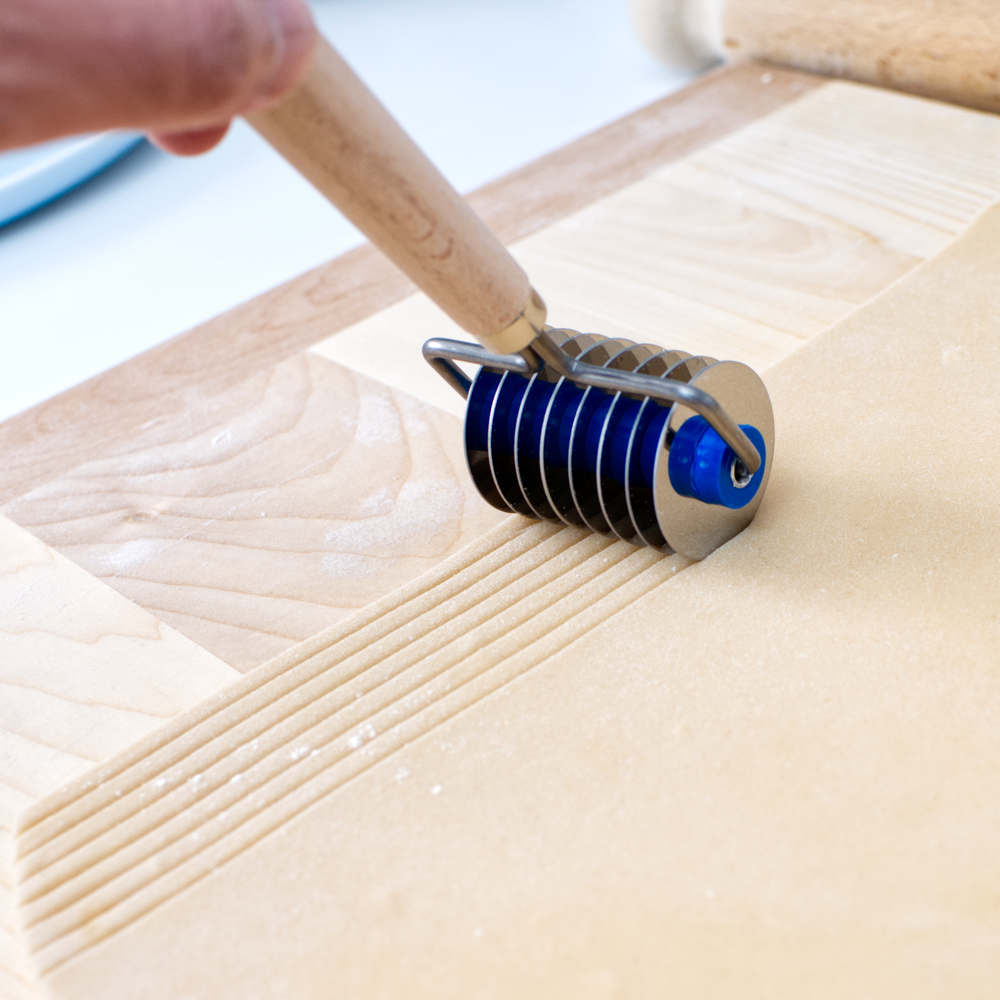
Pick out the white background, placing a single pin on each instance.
(158, 244)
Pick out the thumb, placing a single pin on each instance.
(178, 68)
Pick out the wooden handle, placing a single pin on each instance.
(338, 135)
(945, 49)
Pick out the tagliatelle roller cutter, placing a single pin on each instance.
(653, 446)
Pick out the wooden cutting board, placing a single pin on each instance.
(213, 480)
(202, 508)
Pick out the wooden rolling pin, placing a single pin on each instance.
(947, 49)
(338, 135)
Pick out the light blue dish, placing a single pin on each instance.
(31, 178)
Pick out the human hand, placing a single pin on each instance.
(178, 69)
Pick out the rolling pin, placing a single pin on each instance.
(945, 49)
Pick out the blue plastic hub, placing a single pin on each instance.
(701, 465)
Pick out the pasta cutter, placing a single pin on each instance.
(655, 446)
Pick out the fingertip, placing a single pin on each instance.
(247, 54)
(191, 142)
(226, 57)
(296, 30)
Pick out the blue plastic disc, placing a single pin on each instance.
(502, 428)
(703, 466)
(554, 448)
(478, 408)
(528, 445)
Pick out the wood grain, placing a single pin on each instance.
(338, 135)
(83, 674)
(157, 392)
(944, 49)
(313, 492)
(307, 491)
(748, 245)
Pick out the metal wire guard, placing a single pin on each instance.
(442, 353)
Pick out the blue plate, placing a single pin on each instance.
(30, 178)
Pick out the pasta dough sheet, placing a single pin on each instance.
(770, 773)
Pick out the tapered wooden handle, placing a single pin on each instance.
(342, 139)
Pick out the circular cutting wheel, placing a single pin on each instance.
(531, 424)
(478, 408)
(500, 435)
(557, 424)
(612, 446)
(585, 431)
(644, 437)
(690, 526)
